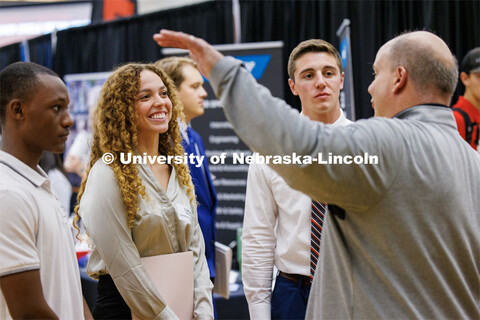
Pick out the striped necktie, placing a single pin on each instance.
(318, 214)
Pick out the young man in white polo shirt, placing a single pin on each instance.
(39, 275)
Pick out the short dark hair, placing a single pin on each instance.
(471, 61)
(18, 81)
(312, 45)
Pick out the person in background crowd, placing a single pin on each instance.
(51, 163)
(39, 275)
(76, 158)
(467, 108)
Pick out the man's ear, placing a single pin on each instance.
(15, 109)
(464, 78)
(291, 83)
(400, 79)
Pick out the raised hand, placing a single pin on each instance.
(200, 50)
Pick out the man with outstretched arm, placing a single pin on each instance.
(407, 240)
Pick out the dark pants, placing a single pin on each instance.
(109, 303)
(289, 299)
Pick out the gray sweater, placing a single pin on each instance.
(408, 245)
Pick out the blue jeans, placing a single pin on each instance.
(289, 299)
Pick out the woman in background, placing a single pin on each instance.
(138, 210)
(51, 163)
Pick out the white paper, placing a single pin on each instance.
(223, 264)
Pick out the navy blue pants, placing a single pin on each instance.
(289, 299)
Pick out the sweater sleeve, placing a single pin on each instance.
(251, 108)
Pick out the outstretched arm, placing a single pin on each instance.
(200, 50)
(250, 108)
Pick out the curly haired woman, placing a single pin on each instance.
(136, 210)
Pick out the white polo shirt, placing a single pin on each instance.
(35, 234)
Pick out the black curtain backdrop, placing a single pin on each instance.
(41, 50)
(101, 47)
(372, 24)
(9, 54)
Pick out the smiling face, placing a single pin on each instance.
(318, 81)
(153, 105)
(46, 121)
(191, 92)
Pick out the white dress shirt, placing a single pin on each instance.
(276, 232)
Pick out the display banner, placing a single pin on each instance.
(83, 91)
(347, 99)
(265, 61)
(24, 51)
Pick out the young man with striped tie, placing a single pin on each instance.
(282, 227)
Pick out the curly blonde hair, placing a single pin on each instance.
(115, 131)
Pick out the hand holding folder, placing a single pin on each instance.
(172, 275)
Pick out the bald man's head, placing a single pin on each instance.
(428, 60)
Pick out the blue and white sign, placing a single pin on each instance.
(347, 98)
